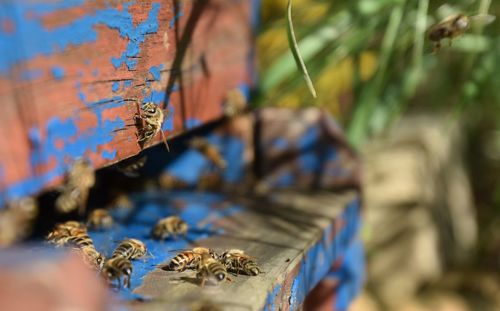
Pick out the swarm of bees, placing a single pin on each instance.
(169, 227)
(149, 121)
(211, 267)
(454, 26)
(75, 191)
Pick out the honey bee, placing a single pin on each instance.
(130, 249)
(16, 220)
(91, 256)
(131, 167)
(236, 260)
(454, 26)
(65, 230)
(115, 268)
(169, 226)
(170, 182)
(189, 259)
(211, 270)
(235, 103)
(78, 181)
(209, 151)
(100, 219)
(149, 121)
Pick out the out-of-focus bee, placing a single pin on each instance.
(454, 26)
(130, 249)
(211, 270)
(149, 121)
(209, 182)
(209, 151)
(169, 226)
(62, 231)
(115, 268)
(236, 260)
(235, 103)
(189, 259)
(131, 167)
(99, 219)
(79, 240)
(79, 179)
(170, 182)
(16, 220)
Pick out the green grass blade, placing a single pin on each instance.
(292, 42)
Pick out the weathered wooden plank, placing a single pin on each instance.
(73, 72)
(295, 241)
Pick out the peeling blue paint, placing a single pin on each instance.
(280, 144)
(155, 71)
(115, 86)
(95, 72)
(309, 138)
(127, 84)
(177, 16)
(58, 72)
(191, 123)
(30, 75)
(284, 180)
(109, 155)
(80, 31)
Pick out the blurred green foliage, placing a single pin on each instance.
(370, 61)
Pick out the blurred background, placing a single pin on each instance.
(427, 126)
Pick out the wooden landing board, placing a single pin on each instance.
(295, 241)
(73, 72)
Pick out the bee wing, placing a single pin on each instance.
(180, 250)
(482, 19)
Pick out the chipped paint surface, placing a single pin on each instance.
(317, 265)
(80, 67)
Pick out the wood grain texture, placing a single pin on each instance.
(73, 72)
(295, 239)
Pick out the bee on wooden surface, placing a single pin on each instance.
(211, 270)
(16, 220)
(91, 256)
(130, 167)
(115, 268)
(149, 121)
(78, 181)
(170, 182)
(209, 151)
(62, 231)
(169, 226)
(236, 260)
(235, 103)
(100, 219)
(130, 249)
(454, 26)
(189, 259)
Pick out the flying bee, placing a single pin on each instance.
(100, 219)
(189, 259)
(211, 270)
(131, 167)
(236, 260)
(78, 181)
(149, 121)
(130, 249)
(235, 103)
(209, 151)
(454, 26)
(169, 226)
(115, 268)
